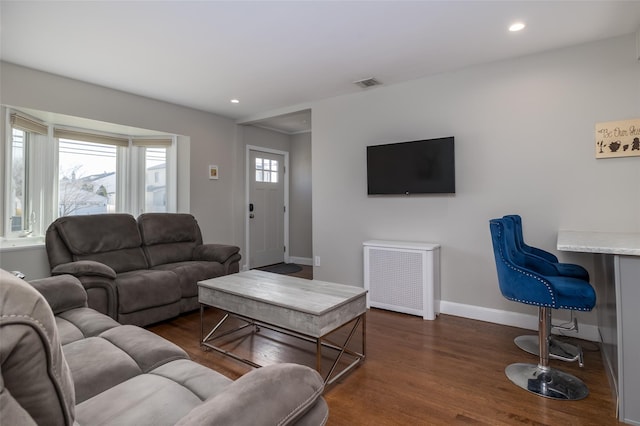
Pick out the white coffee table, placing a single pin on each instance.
(308, 309)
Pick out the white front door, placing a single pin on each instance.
(266, 208)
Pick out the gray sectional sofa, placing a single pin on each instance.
(137, 271)
(81, 367)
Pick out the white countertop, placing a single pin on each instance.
(625, 243)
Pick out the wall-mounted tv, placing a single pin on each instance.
(417, 167)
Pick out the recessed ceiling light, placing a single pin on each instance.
(517, 26)
(235, 101)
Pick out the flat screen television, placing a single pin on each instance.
(416, 167)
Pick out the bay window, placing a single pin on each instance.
(54, 171)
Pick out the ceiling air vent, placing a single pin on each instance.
(367, 82)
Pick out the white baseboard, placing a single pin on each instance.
(301, 260)
(513, 319)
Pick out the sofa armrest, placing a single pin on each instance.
(84, 267)
(215, 252)
(279, 394)
(62, 292)
(98, 280)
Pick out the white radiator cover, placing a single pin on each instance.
(403, 277)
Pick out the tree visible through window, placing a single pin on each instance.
(87, 178)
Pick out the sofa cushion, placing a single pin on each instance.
(147, 399)
(160, 254)
(169, 237)
(162, 228)
(220, 253)
(148, 350)
(112, 239)
(202, 381)
(118, 354)
(149, 316)
(161, 397)
(190, 272)
(97, 365)
(143, 289)
(35, 374)
(79, 323)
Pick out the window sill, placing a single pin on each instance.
(22, 243)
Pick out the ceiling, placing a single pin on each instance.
(276, 57)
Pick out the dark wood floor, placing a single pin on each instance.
(447, 371)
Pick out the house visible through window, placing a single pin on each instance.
(156, 179)
(87, 178)
(266, 170)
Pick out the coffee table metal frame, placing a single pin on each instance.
(320, 342)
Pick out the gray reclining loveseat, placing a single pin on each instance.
(137, 271)
(83, 368)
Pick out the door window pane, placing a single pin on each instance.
(266, 170)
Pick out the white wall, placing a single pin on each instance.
(524, 135)
(31, 261)
(300, 207)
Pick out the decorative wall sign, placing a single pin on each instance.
(618, 139)
(213, 172)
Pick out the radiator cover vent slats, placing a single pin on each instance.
(403, 277)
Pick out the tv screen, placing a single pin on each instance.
(417, 167)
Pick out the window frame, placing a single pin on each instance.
(39, 188)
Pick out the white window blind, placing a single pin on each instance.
(28, 124)
(77, 135)
(152, 141)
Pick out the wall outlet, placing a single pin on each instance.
(316, 261)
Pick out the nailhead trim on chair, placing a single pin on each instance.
(573, 308)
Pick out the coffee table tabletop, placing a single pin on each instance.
(311, 296)
(311, 307)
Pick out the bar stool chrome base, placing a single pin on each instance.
(557, 350)
(547, 382)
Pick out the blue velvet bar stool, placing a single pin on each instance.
(564, 269)
(521, 284)
(548, 264)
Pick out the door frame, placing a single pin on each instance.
(247, 180)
